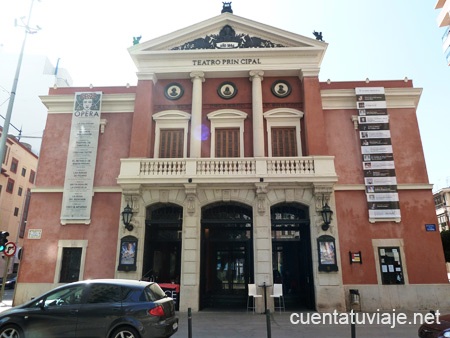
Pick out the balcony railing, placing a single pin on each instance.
(140, 170)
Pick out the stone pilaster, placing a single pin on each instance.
(196, 114)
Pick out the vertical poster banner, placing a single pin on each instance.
(81, 158)
(377, 154)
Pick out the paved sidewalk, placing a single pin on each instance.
(209, 324)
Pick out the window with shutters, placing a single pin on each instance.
(284, 143)
(14, 165)
(171, 143)
(32, 176)
(10, 185)
(227, 142)
(284, 132)
(227, 133)
(171, 130)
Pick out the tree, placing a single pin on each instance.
(445, 236)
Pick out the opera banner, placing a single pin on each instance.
(81, 158)
(377, 154)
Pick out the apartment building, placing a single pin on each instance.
(16, 181)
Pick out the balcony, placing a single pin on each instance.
(312, 169)
(443, 18)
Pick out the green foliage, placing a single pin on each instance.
(445, 236)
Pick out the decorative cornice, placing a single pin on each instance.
(408, 186)
(52, 190)
(111, 103)
(346, 98)
(311, 72)
(148, 76)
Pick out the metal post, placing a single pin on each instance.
(353, 329)
(189, 323)
(28, 30)
(269, 330)
(5, 274)
(265, 297)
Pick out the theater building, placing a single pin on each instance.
(230, 156)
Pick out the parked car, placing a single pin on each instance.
(10, 283)
(435, 329)
(107, 308)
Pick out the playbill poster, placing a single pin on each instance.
(81, 158)
(377, 153)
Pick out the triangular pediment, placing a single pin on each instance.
(222, 36)
(227, 28)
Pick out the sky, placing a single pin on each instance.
(379, 40)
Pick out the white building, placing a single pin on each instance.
(443, 20)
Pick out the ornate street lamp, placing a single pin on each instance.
(326, 216)
(127, 214)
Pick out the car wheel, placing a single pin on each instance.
(11, 331)
(122, 332)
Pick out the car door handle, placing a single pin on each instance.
(73, 312)
(116, 309)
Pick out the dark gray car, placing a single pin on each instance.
(106, 308)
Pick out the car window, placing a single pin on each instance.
(62, 297)
(104, 293)
(153, 292)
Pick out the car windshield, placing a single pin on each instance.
(153, 293)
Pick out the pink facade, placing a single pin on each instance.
(185, 208)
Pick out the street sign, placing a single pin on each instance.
(10, 249)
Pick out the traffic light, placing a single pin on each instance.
(3, 240)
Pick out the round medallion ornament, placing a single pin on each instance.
(281, 88)
(173, 91)
(227, 90)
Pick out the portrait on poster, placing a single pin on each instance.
(128, 251)
(327, 253)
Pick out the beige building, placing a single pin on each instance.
(16, 181)
(442, 202)
(443, 20)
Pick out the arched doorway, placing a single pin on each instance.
(291, 254)
(162, 248)
(227, 255)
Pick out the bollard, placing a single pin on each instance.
(353, 330)
(189, 323)
(269, 330)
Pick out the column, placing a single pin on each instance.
(196, 114)
(256, 76)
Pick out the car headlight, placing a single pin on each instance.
(446, 334)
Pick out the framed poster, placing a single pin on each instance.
(327, 253)
(127, 254)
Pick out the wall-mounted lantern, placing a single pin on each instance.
(326, 216)
(127, 214)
